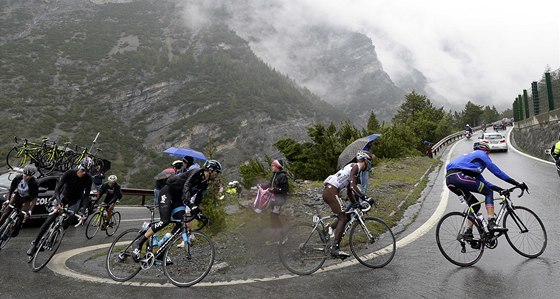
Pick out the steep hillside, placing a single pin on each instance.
(336, 63)
(134, 72)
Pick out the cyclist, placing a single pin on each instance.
(114, 193)
(468, 129)
(23, 190)
(72, 188)
(555, 152)
(347, 177)
(180, 198)
(98, 177)
(464, 175)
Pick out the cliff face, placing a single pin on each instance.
(133, 71)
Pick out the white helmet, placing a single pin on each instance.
(112, 178)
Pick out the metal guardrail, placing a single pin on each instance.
(139, 192)
(446, 140)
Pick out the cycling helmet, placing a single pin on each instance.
(481, 146)
(363, 155)
(213, 165)
(86, 164)
(29, 169)
(177, 164)
(112, 178)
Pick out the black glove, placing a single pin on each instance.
(516, 183)
(497, 189)
(523, 186)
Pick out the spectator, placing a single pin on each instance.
(188, 164)
(98, 177)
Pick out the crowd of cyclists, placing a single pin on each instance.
(180, 193)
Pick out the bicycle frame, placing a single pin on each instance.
(506, 205)
(150, 257)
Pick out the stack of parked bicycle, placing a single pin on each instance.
(48, 156)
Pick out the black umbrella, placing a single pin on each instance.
(349, 153)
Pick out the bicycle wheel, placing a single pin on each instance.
(6, 232)
(47, 248)
(119, 263)
(452, 244)
(94, 224)
(14, 158)
(113, 224)
(303, 250)
(372, 243)
(191, 262)
(526, 233)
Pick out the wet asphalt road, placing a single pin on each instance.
(417, 271)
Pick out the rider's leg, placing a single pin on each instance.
(165, 218)
(6, 214)
(330, 196)
(110, 212)
(42, 230)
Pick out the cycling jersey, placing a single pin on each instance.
(556, 149)
(24, 190)
(474, 163)
(71, 189)
(184, 189)
(114, 193)
(341, 178)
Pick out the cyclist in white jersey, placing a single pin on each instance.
(348, 177)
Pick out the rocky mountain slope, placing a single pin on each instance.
(140, 73)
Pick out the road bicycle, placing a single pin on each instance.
(303, 250)
(188, 254)
(26, 153)
(99, 221)
(51, 239)
(525, 233)
(10, 226)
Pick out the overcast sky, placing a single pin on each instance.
(485, 51)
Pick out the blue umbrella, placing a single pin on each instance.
(185, 151)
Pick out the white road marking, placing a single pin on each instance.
(58, 263)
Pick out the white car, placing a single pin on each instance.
(496, 141)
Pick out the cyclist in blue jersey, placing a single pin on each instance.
(464, 175)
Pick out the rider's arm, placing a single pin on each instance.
(353, 184)
(494, 169)
(118, 193)
(59, 186)
(87, 190)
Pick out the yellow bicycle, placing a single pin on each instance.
(99, 221)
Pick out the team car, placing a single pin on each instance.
(496, 141)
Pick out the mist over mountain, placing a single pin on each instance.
(336, 63)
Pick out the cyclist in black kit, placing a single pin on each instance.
(180, 198)
(73, 187)
(114, 193)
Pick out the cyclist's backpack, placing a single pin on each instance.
(262, 199)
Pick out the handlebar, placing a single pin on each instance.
(506, 192)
